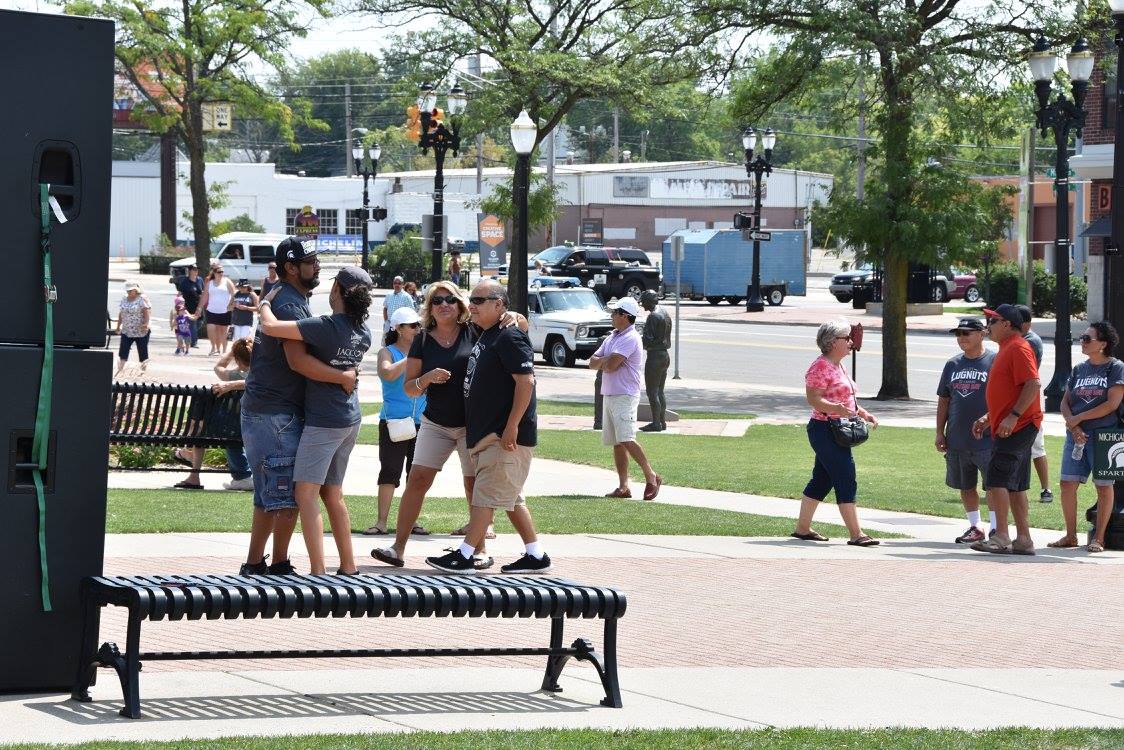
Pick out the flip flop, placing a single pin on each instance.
(178, 458)
(187, 486)
(388, 556)
(811, 536)
(863, 541)
(1094, 547)
(419, 530)
(375, 530)
(1060, 544)
(459, 532)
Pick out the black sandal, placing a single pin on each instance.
(863, 541)
(388, 556)
(811, 536)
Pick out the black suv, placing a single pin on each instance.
(609, 271)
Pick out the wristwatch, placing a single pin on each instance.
(1016, 412)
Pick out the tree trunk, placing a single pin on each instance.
(895, 382)
(200, 208)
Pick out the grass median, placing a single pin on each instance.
(182, 511)
(585, 409)
(898, 469)
(638, 739)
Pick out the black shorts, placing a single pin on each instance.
(1010, 460)
(218, 319)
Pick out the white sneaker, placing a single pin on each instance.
(246, 484)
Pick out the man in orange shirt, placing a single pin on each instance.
(1014, 415)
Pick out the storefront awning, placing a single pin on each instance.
(1102, 227)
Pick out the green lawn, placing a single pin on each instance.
(579, 408)
(133, 511)
(682, 739)
(898, 468)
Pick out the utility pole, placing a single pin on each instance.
(860, 168)
(643, 145)
(551, 153)
(616, 134)
(347, 128)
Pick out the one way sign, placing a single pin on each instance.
(756, 235)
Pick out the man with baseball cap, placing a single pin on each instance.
(1038, 450)
(960, 402)
(273, 410)
(1013, 417)
(621, 361)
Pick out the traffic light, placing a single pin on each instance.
(378, 213)
(413, 122)
(743, 220)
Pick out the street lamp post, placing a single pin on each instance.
(1113, 267)
(367, 164)
(434, 134)
(524, 133)
(756, 168)
(1062, 116)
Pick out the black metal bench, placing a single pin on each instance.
(174, 415)
(194, 597)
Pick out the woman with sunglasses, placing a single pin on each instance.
(831, 394)
(1091, 401)
(436, 368)
(218, 301)
(392, 363)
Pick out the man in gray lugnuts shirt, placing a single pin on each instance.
(960, 402)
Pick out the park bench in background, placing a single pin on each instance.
(189, 416)
(194, 597)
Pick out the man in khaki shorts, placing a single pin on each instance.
(501, 430)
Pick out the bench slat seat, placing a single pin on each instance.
(212, 597)
(174, 415)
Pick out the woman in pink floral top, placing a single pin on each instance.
(831, 394)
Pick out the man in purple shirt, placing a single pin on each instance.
(621, 362)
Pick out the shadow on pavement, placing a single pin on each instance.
(898, 549)
(313, 705)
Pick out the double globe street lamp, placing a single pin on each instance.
(434, 134)
(367, 164)
(1062, 116)
(757, 168)
(524, 134)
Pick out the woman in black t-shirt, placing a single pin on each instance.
(438, 362)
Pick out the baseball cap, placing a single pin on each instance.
(243, 282)
(1006, 312)
(968, 324)
(628, 304)
(403, 316)
(292, 250)
(352, 276)
(1026, 312)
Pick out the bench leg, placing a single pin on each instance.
(127, 667)
(555, 662)
(87, 650)
(609, 674)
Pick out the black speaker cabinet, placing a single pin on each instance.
(40, 648)
(58, 74)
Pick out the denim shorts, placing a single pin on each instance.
(1074, 470)
(271, 442)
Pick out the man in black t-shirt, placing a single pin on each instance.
(499, 395)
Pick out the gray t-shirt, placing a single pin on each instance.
(271, 387)
(1088, 388)
(1035, 342)
(334, 340)
(964, 383)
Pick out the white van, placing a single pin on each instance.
(244, 255)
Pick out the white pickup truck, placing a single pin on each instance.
(566, 322)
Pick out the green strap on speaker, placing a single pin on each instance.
(41, 444)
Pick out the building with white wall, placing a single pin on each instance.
(640, 204)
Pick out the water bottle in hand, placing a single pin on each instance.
(1078, 451)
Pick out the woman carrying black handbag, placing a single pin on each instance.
(837, 424)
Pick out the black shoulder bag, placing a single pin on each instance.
(849, 431)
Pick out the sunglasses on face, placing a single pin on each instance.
(412, 325)
(447, 299)
(842, 338)
(1087, 339)
(481, 300)
(216, 270)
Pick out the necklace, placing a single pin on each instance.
(445, 342)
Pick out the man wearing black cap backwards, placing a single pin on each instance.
(1014, 415)
(960, 402)
(273, 410)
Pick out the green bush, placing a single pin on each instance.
(400, 256)
(1005, 288)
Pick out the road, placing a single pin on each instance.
(772, 355)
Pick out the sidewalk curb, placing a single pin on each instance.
(1049, 336)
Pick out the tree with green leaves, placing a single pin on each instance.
(944, 55)
(544, 202)
(180, 56)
